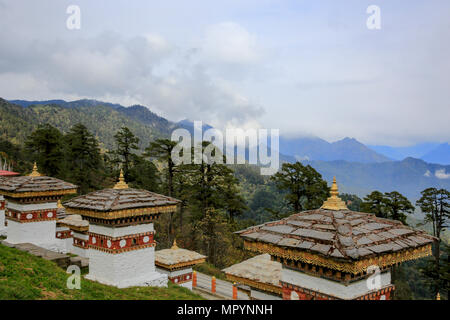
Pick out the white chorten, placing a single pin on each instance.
(32, 207)
(120, 239)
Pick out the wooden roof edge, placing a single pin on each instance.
(402, 255)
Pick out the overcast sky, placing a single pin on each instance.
(305, 67)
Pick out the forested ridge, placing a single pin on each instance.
(103, 121)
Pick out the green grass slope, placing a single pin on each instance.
(26, 277)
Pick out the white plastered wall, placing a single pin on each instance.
(176, 273)
(333, 288)
(41, 233)
(126, 269)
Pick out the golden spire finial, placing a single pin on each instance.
(174, 246)
(334, 202)
(35, 172)
(438, 296)
(59, 205)
(121, 184)
(334, 188)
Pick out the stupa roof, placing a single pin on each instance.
(120, 201)
(258, 272)
(74, 221)
(177, 257)
(35, 185)
(341, 235)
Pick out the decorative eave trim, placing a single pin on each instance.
(317, 294)
(256, 284)
(180, 264)
(109, 215)
(122, 250)
(355, 267)
(33, 194)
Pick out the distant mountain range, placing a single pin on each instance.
(348, 149)
(430, 152)
(409, 176)
(359, 169)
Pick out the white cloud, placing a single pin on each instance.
(230, 43)
(440, 174)
(304, 68)
(144, 69)
(427, 173)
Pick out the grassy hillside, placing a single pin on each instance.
(26, 277)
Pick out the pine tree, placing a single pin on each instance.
(436, 206)
(397, 206)
(161, 149)
(304, 185)
(375, 203)
(83, 159)
(46, 147)
(126, 142)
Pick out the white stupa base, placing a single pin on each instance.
(341, 291)
(63, 245)
(126, 269)
(2, 222)
(176, 274)
(37, 233)
(78, 251)
(153, 279)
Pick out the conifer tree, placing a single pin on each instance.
(397, 206)
(126, 142)
(161, 149)
(46, 147)
(435, 203)
(304, 185)
(83, 159)
(375, 203)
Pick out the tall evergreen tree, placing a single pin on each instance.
(83, 159)
(305, 187)
(375, 203)
(126, 142)
(161, 149)
(46, 147)
(212, 185)
(397, 206)
(143, 174)
(435, 203)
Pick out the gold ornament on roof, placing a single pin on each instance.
(174, 246)
(59, 205)
(121, 184)
(334, 202)
(35, 172)
(438, 296)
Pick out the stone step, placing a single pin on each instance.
(80, 261)
(62, 260)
